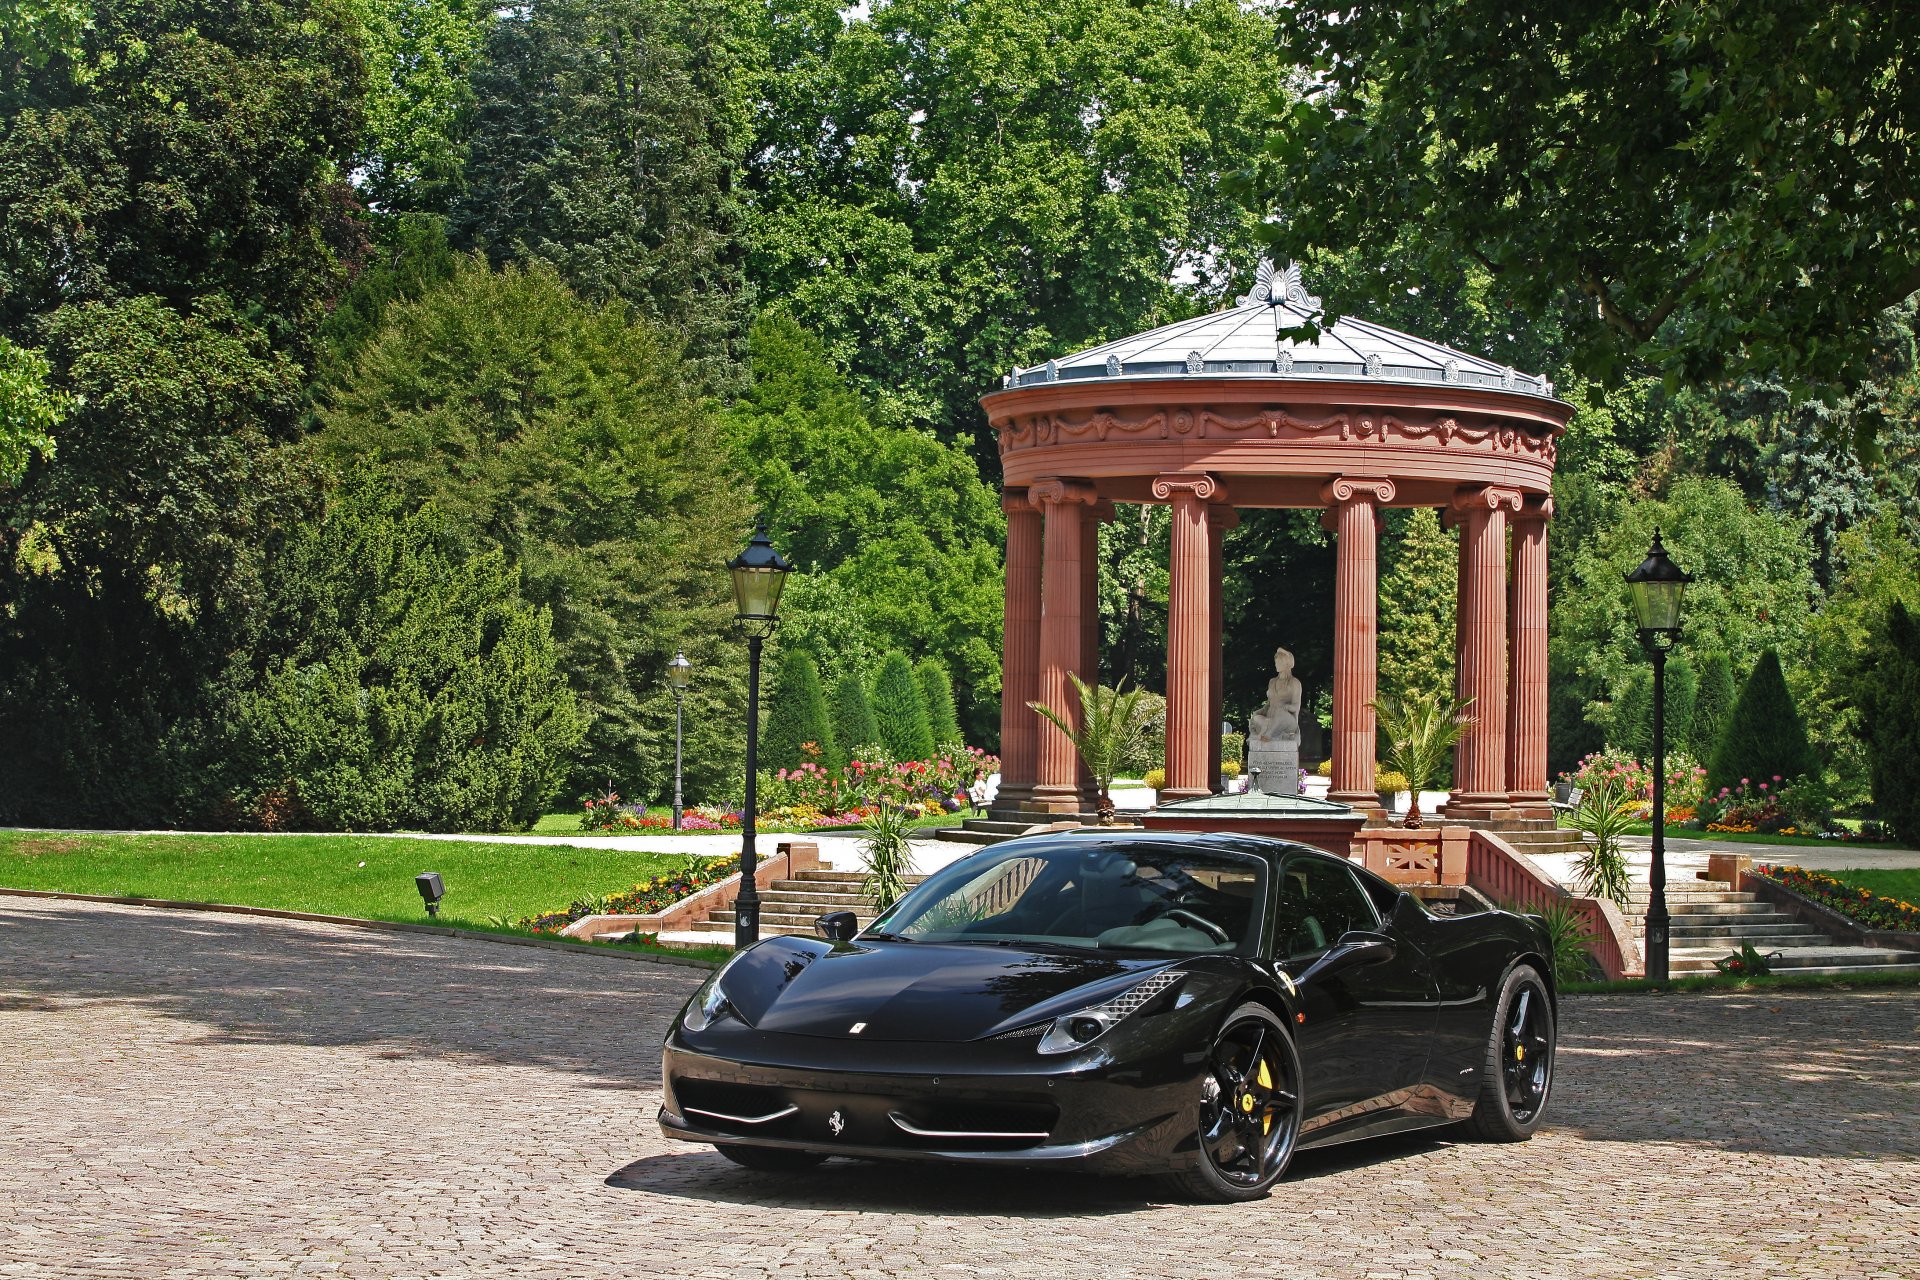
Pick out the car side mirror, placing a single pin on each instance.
(837, 926)
(1351, 951)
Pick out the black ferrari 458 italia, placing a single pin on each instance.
(1198, 1006)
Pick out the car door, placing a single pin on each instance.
(1367, 1029)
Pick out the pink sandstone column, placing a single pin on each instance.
(1356, 657)
(1190, 591)
(1020, 653)
(1527, 661)
(1063, 503)
(1089, 667)
(1480, 761)
(1220, 520)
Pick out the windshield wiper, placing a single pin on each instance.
(884, 936)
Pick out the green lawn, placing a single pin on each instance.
(1902, 885)
(324, 874)
(568, 824)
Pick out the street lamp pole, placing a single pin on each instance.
(679, 673)
(759, 573)
(1658, 585)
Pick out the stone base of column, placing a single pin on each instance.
(1478, 807)
(1012, 795)
(1365, 803)
(1046, 799)
(1530, 804)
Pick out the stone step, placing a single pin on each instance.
(1742, 929)
(1762, 942)
(788, 921)
(995, 826)
(960, 835)
(1803, 958)
(815, 902)
(1769, 920)
(1638, 898)
(842, 877)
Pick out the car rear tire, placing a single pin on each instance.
(1248, 1113)
(771, 1159)
(1518, 1073)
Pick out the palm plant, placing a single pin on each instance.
(1606, 810)
(1419, 733)
(1111, 722)
(885, 855)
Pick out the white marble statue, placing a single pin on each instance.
(1273, 742)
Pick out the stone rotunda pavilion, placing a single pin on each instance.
(1216, 413)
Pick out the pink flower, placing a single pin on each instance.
(1745, 781)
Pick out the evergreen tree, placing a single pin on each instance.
(899, 712)
(799, 717)
(1763, 736)
(1893, 724)
(853, 722)
(936, 694)
(1711, 703)
(1630, 717)
(1417, 612)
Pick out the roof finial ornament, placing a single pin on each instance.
(1288, 287)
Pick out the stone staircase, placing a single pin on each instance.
(993, 830)
(1531, 836)
(1709, 919)
(792, 906)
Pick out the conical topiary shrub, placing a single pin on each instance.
(1893, 724)
(899, 711)
(1763, 736)
(936, 693)
(799, 717)
(853, 725)
(1712, 700)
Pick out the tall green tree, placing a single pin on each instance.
(889, 516)
(942, 191)
(899, 712)
(1417, 612)
(1702, 188)
(606, 139)
(799, 717)
(393, 681)
(1629, 718)
(1893, 723)
(936, 694)
(854, 726)
(29, 410)
(420, 54)
(1713, 698)
(1764, 739)
(570, 437)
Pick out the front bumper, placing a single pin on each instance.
(908, 1102)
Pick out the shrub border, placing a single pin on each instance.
(395, 926)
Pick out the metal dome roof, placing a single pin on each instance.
(1245, 340)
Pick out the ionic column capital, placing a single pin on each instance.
(1538, 508)
(1015, 501)
(1196, 486)
(1344, 489)
(1486, 498)
(1060, 492)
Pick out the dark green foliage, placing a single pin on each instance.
(128, 559)
(410, 255)
(605, 142)
(1893, 724)
(896, 532)
(1763, 736)
(936, 694)
(1630, 718)
(1712, 701)
(899, 712)
(393, 682)
(799, 716)
(853, 724)
(569, 437)
(183, 149)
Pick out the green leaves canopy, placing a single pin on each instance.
(1708, 188)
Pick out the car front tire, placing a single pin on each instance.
(1517, 1075)
(1249, 1111)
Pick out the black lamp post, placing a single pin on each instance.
(759, 573)
(1658, 584)
(679, 675)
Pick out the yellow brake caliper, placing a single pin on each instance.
(1265, 1079)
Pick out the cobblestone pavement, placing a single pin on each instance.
(192, 1095)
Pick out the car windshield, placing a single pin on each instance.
(1088, 897)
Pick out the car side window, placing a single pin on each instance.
(1318, 901)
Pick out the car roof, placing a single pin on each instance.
(1266, 848)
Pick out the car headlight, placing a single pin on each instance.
(1078, 1030)
(709, 1000)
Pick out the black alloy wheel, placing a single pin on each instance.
(1519, 1070)
(770, 1159)
(1250, 1110)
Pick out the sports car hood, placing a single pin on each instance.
(916, 990)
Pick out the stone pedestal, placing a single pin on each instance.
(1278, 765)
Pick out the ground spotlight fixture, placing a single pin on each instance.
(431, 890)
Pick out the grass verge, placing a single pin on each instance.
(1901, 884)
(370, 877)
(1719, 982)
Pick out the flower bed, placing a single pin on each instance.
(1685, 787)
(654, 895)
(1866, 908)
